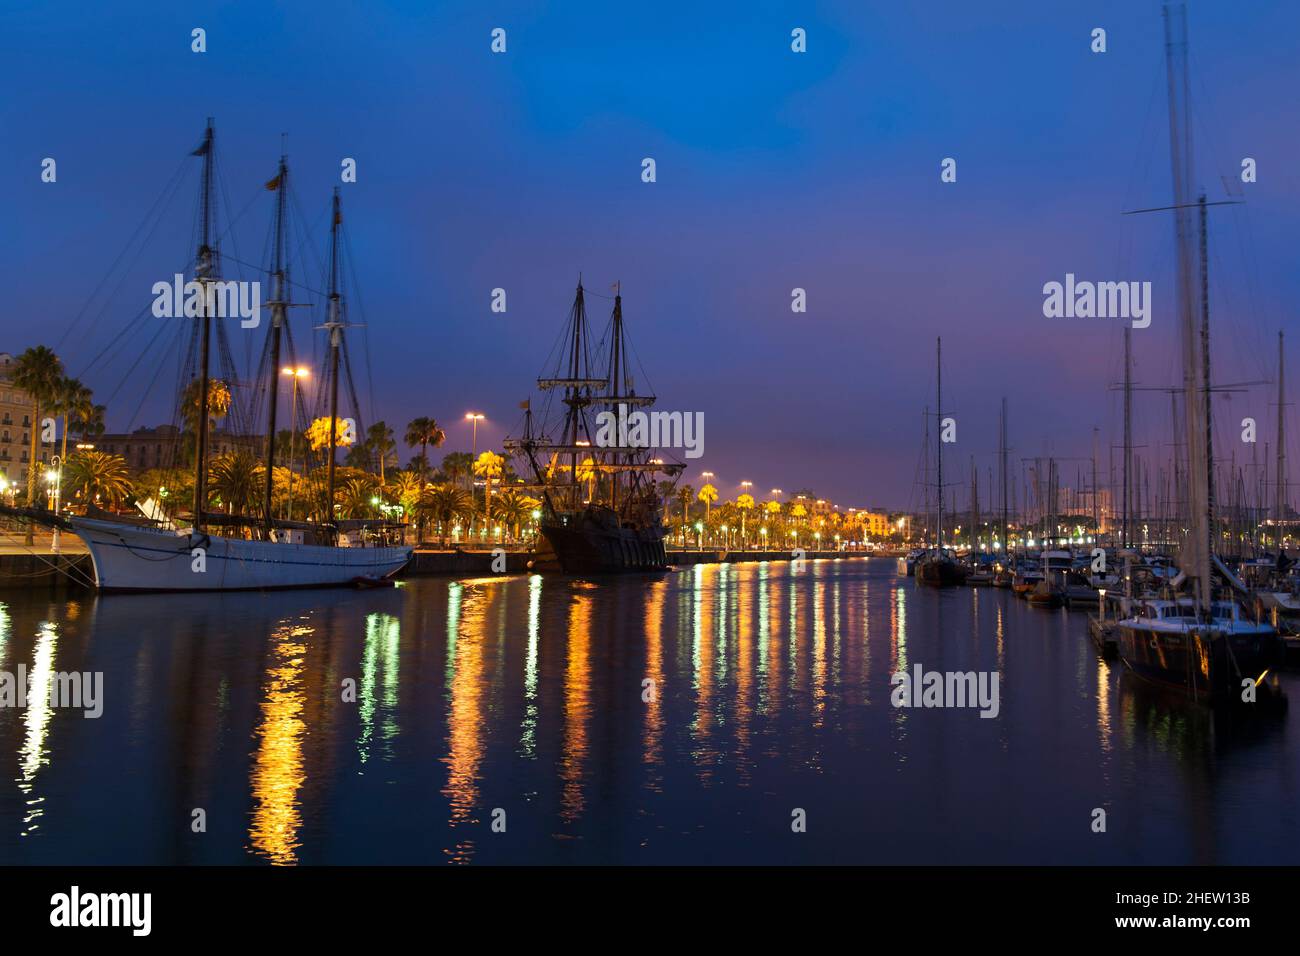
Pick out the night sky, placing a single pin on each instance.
(775, 170)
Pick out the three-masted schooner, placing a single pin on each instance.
(137, 554)
(602, 510)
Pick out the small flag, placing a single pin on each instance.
(524, 404)
(202, 150)
(274, 184)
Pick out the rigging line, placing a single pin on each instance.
(234, 242)
(288, 281)
(139, 357)
(117, 342)
(365, 327)
(166, 190)
(305, 231)
(135, 416)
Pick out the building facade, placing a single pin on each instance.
(16, 430)
(162, 446)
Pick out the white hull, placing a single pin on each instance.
(132, 558)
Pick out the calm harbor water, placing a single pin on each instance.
(771, 693)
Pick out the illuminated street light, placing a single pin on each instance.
(297, 374)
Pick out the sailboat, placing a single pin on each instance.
(142, 554)
(939, 567)
(602, 511)
(1200, 643)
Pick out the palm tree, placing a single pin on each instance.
(513, 509)
(445, 504)
(380, 443)
(405, 488)
(685, 494)
(234, 480)
(218, 403)
(38, 372)
(708, 494)
(96, 475)
(318, 434)
(74, 402)
(456, 466)
(488, 467)
(424, 432)
(354, 496)
(745, 503)
(88, 423)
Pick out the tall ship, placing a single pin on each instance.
(209, 549)
(602, 499)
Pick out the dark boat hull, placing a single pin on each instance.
(940, 573)
(593, 547)
(1207, 667)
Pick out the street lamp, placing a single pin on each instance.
(474, 417)
(54, 477)
(295, 374)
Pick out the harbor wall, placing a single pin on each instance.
(45, 572)
(37, 571)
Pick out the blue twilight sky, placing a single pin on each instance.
(775, 170)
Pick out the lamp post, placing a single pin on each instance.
(55, 477)
(295, 374)
(474, 417)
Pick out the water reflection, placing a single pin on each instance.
(666, 718)
(36, 722)
(577, 706)
(278, 770)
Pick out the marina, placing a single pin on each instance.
(360, 525)
(524, 693)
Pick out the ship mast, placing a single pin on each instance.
(617, 357)
(1196, 555)
(1002, 430)
(1128, 431)
(1205, 373)
(938, 354)
(1280, 500)
(278, 304)
(335, 326)
(204, 271)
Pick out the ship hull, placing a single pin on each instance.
(133, 558)
(940, 573)
(591, 547)
(1200, 663)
